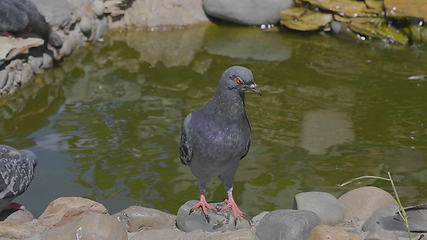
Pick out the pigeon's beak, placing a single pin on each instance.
(253, 88)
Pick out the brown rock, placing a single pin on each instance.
(91, 226)
(375, 4)
(406, 8)
(324, 232)
(15, 230)
(67, 209)
(349, 8)
(147, 218)
(362, 202)
(303, 19)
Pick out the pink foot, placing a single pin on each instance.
(235, 211)
(202, 204)
(13, 206)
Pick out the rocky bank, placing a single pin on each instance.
(363, 213)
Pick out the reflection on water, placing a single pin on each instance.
(106, 122)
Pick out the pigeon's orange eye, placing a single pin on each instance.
(238, 80)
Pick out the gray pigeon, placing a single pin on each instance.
(22, 18)
(16, 173)
(218, 135)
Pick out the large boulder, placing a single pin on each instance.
(362, 202)
(68, 209)
(286, 224)
(247, 12)
(154, 13)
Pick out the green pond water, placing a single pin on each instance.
(105, 122)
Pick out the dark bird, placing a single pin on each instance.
(16, 173)
(218, 135)
(22, 18)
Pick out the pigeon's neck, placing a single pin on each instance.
(229, 102)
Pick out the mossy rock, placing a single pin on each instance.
(418, 34)
(406, 8)
(377, 28)
(349, 8)
(303, 19)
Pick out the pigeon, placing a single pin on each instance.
(16, 173)
(217, 136)
(22, 18)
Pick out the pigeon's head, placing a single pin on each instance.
(240, 79)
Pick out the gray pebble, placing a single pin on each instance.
(27, 73)
(3, 77)
(36, 64)
(47, 61)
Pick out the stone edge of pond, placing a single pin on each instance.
(357, 214)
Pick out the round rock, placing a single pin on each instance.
(362, 202)
(286, 224)
(325, 205)
(218, 220)
(254, 12)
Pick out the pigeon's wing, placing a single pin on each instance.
(185, 149)
(16, 171)
(248, 144)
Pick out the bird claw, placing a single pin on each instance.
(204, 208)
(235, 211)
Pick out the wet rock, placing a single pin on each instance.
(303, 19)
(160, 234)
(67, 209)
(36, 64)
(362, 202)
(27, 73)
(11, 47)
(324, 232)
(91, 226)
(325, 205)
(15, 230)
(136, 218)
(257, 219)
(21, 216)
(406, 8)
(377, 28)
(100, 29)
(218, 220)
(418, 34)
(56, 12)
(71, 43)
(154, 13)
(247, 12)
(47, 61)
(3, 77)
(375, 4)
(337, 27)
(287, 225)
(349, 8)
(98, 7)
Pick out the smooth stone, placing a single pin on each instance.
(3, 77)
(98, 7)
(70, 43)
(36, 63)
(85, 25)
(27, 73)
(136, 218)
(325, 205)
(218, 220)
(154, 13)
(324, 232)
(362, 202)
(255, 12)
(100, 29)
(67, 209)
(257, 219)
(47, 61)
(56, 12)
(303, 19)
(161, 234)
(337, 27)
(15, 230)
(21, 216)
(286, 224)
(91, 226)
(373, 222)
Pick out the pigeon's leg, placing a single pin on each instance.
(202, 204)
(235, 211)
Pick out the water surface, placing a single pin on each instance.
(105, 122)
